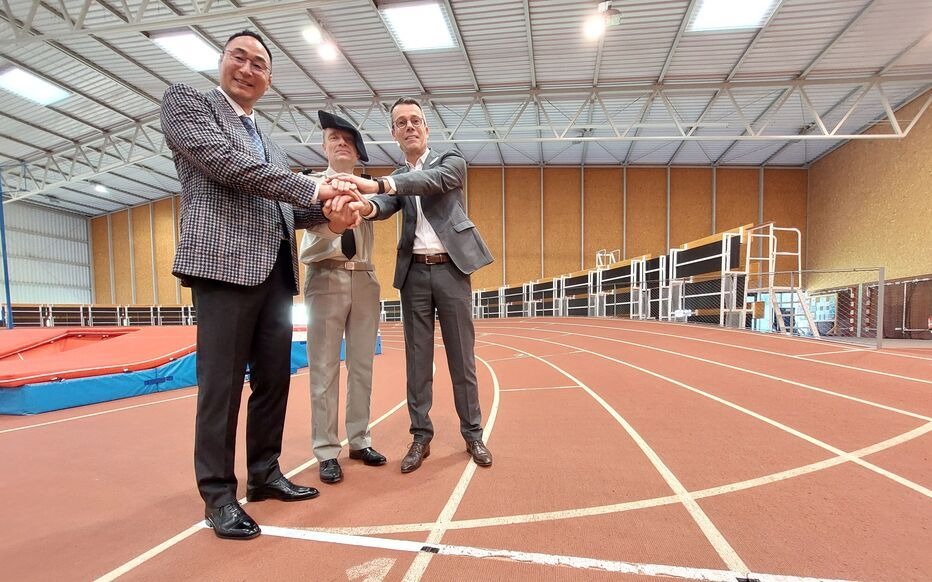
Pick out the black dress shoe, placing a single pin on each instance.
(281, 489)
(368, 456)
(231, 522)
(330, 471)
(416, 455)
(480, 453)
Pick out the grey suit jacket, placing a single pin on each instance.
(232, 203)
(440, 186)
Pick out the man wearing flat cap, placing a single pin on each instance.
(341, 294)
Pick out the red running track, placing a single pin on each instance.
(623, 451)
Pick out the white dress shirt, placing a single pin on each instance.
(426, 241)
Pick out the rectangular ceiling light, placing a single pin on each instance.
(731, 14)
(419, 27)
(25, 84)
(188, 48)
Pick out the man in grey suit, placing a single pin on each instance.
(439, 249)
(239, 206)
(341, 295)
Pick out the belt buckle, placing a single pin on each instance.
(430, 260)
(349, 266)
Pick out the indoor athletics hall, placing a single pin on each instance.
(702, 347)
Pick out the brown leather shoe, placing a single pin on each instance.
(480, 453)
(416, 455)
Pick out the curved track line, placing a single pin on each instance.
(439, 528)
(739, 369)
(835, 450)
(633, 505)
(724, 550)
(149, 554)
(748, 348)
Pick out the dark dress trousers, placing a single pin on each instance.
(443, 289)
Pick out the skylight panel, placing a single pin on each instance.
(189, 49)
(29, 86)
(731, 14)
(419, 27)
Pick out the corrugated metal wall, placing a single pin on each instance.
(48, 254)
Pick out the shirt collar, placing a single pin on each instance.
(240, 112)
(420, 160)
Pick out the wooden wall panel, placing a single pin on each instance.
(386, 243)
(142, 254)
(870, 202)
(100, 262)
(485, 210)
(122, 269)
(164, 240)
(690, 204)
(785, 193)
(562, 224)
(647, 211)
(603, 196)
(522, 225)
(736, 197)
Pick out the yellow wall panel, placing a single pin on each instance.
(185, 291)
(603, 190)
(522, 225)
(164, 245)
(785, 193)
(690, 204)
(142, 254)
(736, 197)
(562, 221)
(647, 211)
(870, 203)
(485, 210)
(100, 242)
(122, 269)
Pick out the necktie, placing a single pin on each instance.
(256, 140)
(348, 243)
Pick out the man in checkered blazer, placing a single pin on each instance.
(240, 204)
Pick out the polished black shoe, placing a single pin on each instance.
(330, 471)
(281, 489)
(368, 456)
(416, 455)
(480, 453)
(231, 522)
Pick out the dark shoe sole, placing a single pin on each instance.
(332, 481)
(229, 537)
(366, 461)
(252, 498)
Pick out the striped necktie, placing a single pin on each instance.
(256, 140)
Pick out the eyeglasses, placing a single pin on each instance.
(402, 123)
(240, 60)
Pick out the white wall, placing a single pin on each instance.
(48, 254)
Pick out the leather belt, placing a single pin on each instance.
(432, 259)
(346, 265)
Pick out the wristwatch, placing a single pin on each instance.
(381, 182)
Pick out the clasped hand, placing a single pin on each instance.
(343, 205)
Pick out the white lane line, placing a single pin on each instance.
(148, 555)
(422, 560)
(728, 554)
(576, 562)
(538, 389)
(747, 371)
(71, 418)
(830, 353)
(747, 348)
(835, 450)
(633, 505)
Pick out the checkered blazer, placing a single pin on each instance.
(231, 202)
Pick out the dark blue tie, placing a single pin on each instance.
(256, 140)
